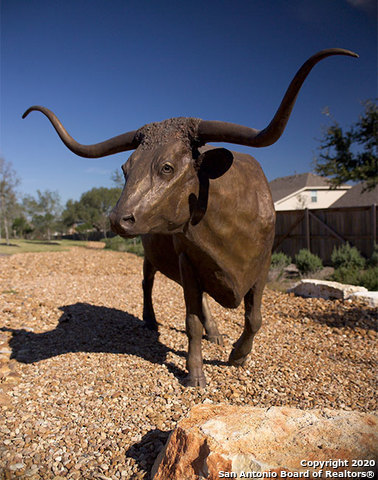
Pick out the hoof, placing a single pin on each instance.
(192, 381)
(235, 361)
(217, 339)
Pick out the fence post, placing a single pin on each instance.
(308, 235)
(373, 226)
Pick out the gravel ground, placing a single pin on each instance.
(87, 393)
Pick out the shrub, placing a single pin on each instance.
(348, 275)
(307, 262)
(373, 260)
(119, 244)
(347, 257)
(369, 278)
(349, 267)
(280, 260)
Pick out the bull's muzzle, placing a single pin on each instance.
(122, 224)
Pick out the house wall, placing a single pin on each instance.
(303, 199)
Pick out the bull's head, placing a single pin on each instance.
(157, 170)
(167, 160)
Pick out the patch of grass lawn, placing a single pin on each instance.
(22, 246)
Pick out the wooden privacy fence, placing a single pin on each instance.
(320, 230)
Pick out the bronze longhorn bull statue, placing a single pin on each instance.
(205, 215)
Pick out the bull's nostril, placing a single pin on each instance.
(128, 218)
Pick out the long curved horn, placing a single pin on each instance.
(214, 131)
(121, 143)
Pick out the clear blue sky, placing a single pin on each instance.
(109, 66)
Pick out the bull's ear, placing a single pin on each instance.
(215, 162)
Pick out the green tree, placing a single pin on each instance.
(21, 227)
(9, 207)
(96, 206)
(44, 211)
(351, 155)
(92, 209)
(118, 179)
(71, 213)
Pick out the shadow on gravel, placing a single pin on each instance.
(146, 451)
(361, 317)
(46, 242)
(90, 328)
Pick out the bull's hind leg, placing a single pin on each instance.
(148, 280)
(211, 328)
(252, 324)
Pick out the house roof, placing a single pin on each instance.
(284, 186)
(355, 198)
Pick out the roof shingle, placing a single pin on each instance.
(284, 186)
(355, 198)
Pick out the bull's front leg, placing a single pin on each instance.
(194, 326)
(148, 281)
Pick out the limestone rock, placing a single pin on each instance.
(325, 289)
(231, 439)
(371, 298)
(291, 271)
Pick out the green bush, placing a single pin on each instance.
(347, 257)
(369, 278)
(348, 275)
(307, 262)
(350, 267)
(119, 244)
(353, 276)
(280, 260)
(373, 260)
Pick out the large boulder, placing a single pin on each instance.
(223, 441)
(325, 289)
(371, 298)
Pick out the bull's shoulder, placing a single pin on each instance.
(243, 189)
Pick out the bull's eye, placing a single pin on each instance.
(167, 169)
